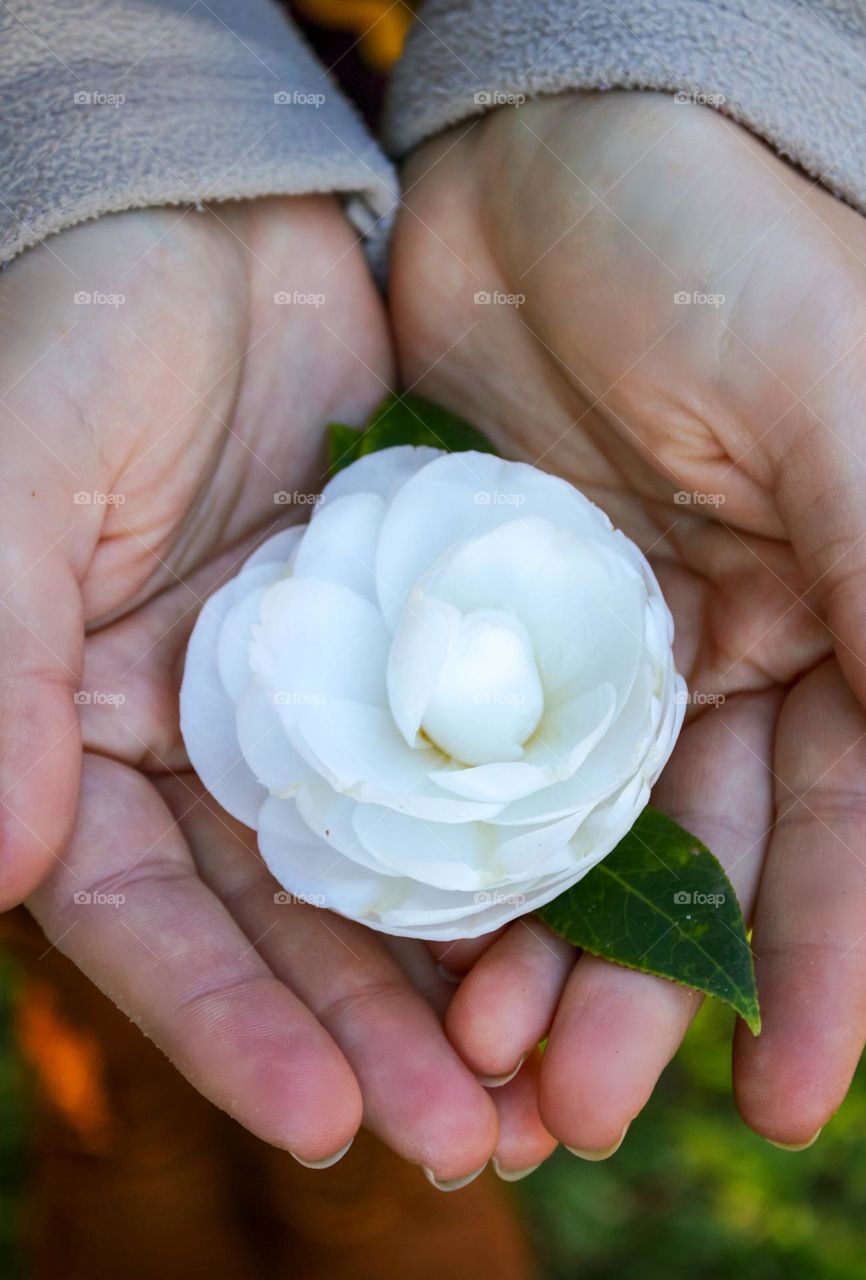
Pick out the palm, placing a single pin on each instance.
(598, 211)
(179, 414)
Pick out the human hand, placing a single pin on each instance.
(145, 441)
(724, 435)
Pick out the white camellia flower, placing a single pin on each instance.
(442, 701)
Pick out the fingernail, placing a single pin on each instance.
(448, 975)
(599, 1155)
(328, 1160)
(797, 1146)
(512, 1175)
(455, 1183)
(495, 1082)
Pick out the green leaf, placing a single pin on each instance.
(343, 445)
(403, 419)
(662, 904)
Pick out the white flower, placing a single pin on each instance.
(442, 701)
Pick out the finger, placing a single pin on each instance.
(506, 1003)
(41, 639)
(820, 472)
(523, 1142)
(422, 972)
(419, 1097)
(616, 1029)
(810, 923)
(131, 912)
(455, 959)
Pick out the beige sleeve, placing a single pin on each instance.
(794, 73)
(116, 104)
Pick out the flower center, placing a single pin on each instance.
(489, 698)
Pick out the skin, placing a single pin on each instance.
(195, 400)
(597, 209)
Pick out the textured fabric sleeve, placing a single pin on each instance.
(794, 73)
(116, 104)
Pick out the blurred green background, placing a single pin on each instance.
(692, 1192)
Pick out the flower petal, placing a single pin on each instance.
(382, 472)
(574, 731)
(339, 544)
(318, 641)
(462, 495)
(581, 602)
(618, 756)
(307, 867)
(422, 643)
(460, 856)
(330, 815)
(358, 749)
(207, 713)
(279, 548)
(233, 646)
(266, 749)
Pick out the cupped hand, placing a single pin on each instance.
(640, 296)
(161, 413)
